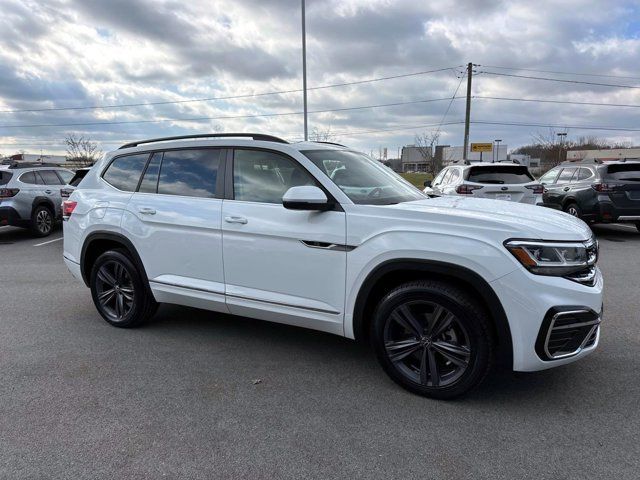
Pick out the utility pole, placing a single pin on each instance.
(304, 71)
(468, 112)
(497, 155)
(561, 136)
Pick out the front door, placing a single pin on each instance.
(282, 265)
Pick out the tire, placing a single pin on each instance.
(42, 221)
(130, 302)
(573, 209)
(407, 351)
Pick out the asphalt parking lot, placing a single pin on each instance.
(178, 398)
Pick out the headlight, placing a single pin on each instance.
(554, 258)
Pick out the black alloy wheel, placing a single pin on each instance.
(432, 338)
(119, 291)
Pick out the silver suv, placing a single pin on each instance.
(30, 196)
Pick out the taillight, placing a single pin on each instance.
(8, 192)
(68, 207)
(537, 189)
(465, 189)
(604, 187)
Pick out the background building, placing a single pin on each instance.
(608, 154)
(415, 159)
(35, 158)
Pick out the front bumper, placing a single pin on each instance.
(527, 300)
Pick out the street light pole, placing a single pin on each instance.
(497, 155)
(561, 137)
(304, 71)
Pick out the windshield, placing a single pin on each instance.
(362, 179)
(500, 174)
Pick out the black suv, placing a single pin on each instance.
(594, 191)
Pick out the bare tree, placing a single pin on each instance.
(325, 135)
(81, 150)
(424, 144)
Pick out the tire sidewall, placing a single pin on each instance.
(577, 208)
(34, 221)
(139, 291)
(476, 329)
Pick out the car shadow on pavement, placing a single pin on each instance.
(284, 343)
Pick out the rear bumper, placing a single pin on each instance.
(607, 211)
(10, 216)
(74, 268)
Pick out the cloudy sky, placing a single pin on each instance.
(60, 54)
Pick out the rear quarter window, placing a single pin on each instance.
(5, 177)
(624, 172)
(124, 172)
(500, 174)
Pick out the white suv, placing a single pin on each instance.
(320, 236)
(498, 181)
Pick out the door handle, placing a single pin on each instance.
(566, 189)
(241, 220)
(147, 211)
(48, 191)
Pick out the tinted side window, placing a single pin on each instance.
(584, 174)
(149, 182)
(50, 177)
(28, 177)
(191, 173)
(260, 176)
(124, 172)
(566, 175)
(64, 176)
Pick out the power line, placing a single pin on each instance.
(561, 80)
(225, 117)
(577, 127)
(453, 97)
(539, 100)
(230, 97)
(580, 74)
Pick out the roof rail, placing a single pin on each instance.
(463, 162)
(32, 164)
(584, 160)
(254, 136)
(330, 143)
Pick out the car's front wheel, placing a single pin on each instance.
(119, 292)
(432, 338)
(574, 210)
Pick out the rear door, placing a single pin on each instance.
(502, 182)
(174, 221)
(625, 180)
(52, 188)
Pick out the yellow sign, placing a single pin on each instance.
(481, 147)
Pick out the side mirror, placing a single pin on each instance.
(427, 183)
(306, 197)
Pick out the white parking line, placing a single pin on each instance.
(624, 226)
(50, 241)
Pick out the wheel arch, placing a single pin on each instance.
(394, 272)
(99, 242)
(46, 201)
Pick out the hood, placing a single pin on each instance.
(517, 220)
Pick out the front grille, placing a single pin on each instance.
(565, 333)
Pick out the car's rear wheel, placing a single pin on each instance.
(432, 339)
(573, 209)
(119, 292)
(42, 221)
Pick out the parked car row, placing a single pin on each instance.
(593, 191)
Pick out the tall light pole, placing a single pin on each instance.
(304, 71)
(497, 155)
(561, 137)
